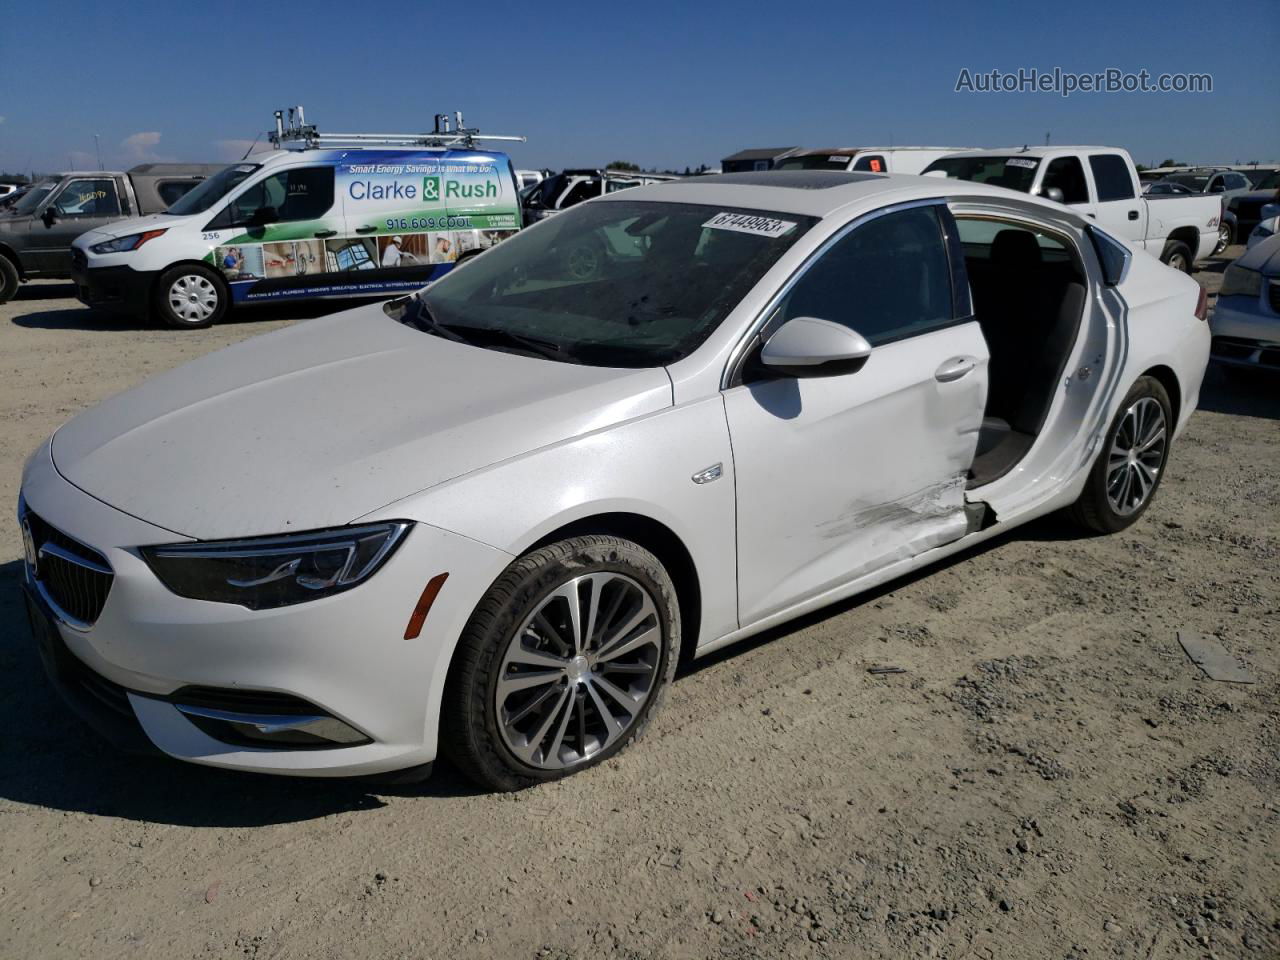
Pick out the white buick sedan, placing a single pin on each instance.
(488, 520)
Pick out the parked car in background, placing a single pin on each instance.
(1226, 182)
(488, 520)
(869, 159)
(1246, 319)
(9, 199)
(572, 187)
(1164, 188)
(8, 188)
(320, 215)
(1256, 175)
(1268, 227)
(527, 178)
(1248, 206)
(1102, 184)
(37, 233)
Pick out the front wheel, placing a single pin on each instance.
(190, 296)
(562, 664)
(1125, 476)
(9, 280)
(1177, 255)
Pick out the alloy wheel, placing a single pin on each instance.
(1137, 456)
(576, 675)
(193, 298)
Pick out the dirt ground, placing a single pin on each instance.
(1050, 778)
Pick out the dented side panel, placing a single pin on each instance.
(839, 476)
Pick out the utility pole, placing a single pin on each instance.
(1046, 138)
(97, 146)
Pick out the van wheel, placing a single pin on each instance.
(1177, 255)
(9, 280)
(1125, 476)
(562, 664)
(191, 296)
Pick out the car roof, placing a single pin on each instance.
(814, 193)
(1025, 151)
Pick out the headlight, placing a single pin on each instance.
(125, 244)
(1240, 282)
(266, 572)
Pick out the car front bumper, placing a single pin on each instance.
(119, 288)
(1246, 330)
(345, 655)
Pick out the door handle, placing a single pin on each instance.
(1133, 214)
(365, 229)
(954, 368)
(325, 234)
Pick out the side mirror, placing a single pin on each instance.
(264, 215)
(49, 215)
(809, 347)
(1054, 194)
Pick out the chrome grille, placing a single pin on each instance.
(75, 578)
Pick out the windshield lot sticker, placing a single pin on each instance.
(746, 223)
(1019, 162)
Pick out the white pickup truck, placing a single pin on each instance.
(1102, 182)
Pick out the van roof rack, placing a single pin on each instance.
(292, 132)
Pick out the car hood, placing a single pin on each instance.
(1265, 257)
(319, 424)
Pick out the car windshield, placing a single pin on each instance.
(814, 162)
(615, 284)
(31, 199)
(210, 191)
(1189, 180)
(1270, 182)
(1016, 173)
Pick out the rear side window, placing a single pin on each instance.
(171, 191)
(888, 279)
(95, 197)
(1067, 175)
(1111, 177)
(872, 162)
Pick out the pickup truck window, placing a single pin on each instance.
(1016, 173)
(95, 197)
(1067, 175)
(1111, 177)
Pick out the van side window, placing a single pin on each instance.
(1067, 175)
(302, 194)
(1111, 177)
(89, 198)
(888, 279)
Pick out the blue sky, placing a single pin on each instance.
(654, 83)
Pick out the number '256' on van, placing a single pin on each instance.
(316, 215)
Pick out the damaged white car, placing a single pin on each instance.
(489, 519)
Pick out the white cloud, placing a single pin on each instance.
(233, 149)
(139, 147)
(1, 119)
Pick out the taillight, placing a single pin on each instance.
(1202, 305)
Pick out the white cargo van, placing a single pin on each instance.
(318, 215)
(911, 160)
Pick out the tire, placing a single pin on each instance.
(190, 296)
(1177, 255)
(1224, 238)
(541, 726)
(9, 280)
(1106, 505)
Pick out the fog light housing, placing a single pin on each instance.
(264, 720)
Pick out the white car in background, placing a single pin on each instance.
(488, 519)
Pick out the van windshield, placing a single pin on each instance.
(31, 199)
(212, 190)
(610, 283)
(1016, 173)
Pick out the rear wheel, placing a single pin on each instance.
(9, 280)
(1224, 238)
(190, 296)
(1125, 476)
(1177, 255)
(562, 664)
